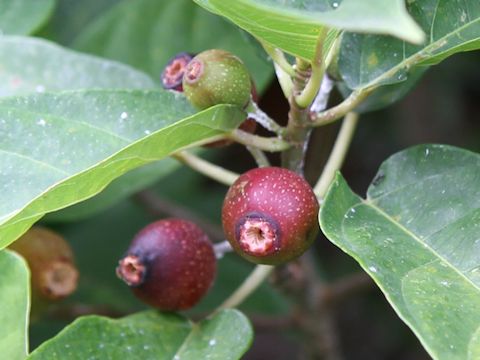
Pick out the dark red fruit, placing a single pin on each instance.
(172, 75)
(169, 265)
(269, 215)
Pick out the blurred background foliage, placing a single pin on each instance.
(444, 107)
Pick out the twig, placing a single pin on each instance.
(305, 98)
(259, 156)
(278, 58)
(333, 114)
(206, 168)
(160, 207)
(270, 144)
(221, 248)
(298, 128)
(344, 288)
(263, 119)
(321, 100)
(285, 81)
(251, 283)
(338, 154)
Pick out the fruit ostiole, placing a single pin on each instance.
(208, 79)
(172, 74)
(170, 264)
(269, 215)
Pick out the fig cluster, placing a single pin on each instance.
(209, 78)
(269, 214)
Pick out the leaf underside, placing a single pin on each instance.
(59, 149)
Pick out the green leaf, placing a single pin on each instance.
(150, 335)
(71, 17)
(59, 149)
(452, 27)
(15, 300)
(293, 26)
(23, 17)
(147, 33)
(417, 235)
(118, 189)
(386, 95)
(33, 65)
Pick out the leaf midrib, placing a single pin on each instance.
(416, 238)
(194, 329)
(260, 26)
(430, 47)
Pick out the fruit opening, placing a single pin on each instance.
(257, 236)
(173, 73)
(59, 280)
(194, 71)
(131, 270)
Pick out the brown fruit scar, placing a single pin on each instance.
(58, 280)
(194, 71)
(131, 270)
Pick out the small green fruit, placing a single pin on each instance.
(216, 77)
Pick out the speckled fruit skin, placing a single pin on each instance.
(180, 264)
(249, 125)
(279, 196)
(216, 77)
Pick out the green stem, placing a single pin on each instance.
(206, 168)
(271, 144)
(278, 58)
(298, 128)
(333, 114)
(259, 156)
(285, 81)
(306, 97)
(337, 156)
(250, 284)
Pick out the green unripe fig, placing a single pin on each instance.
(216, 77)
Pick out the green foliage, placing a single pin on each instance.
(23, 17)
(293, 26)
(147, 33)
(15, 300)
(80, 141)
(75, 127)
(452, 27)
(417, 236)
(35, 65)
(151, 335)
